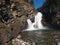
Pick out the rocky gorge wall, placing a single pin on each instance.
(13, 19)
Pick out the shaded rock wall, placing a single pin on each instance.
(50, 8)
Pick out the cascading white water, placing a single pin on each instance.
(58, 43)
(38, 19)
(37, 23)
(30, 24)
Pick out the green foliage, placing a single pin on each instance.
(10, 42)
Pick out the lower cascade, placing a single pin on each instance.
(36, 24)
(58, 43)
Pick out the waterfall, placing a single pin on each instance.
(58, 43)
(36, 24)
(30, 24)
(38, 19)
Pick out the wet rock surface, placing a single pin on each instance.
(19, 41)
(47, 37)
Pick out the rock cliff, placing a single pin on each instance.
(13, 18)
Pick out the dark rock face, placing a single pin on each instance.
(13, 19)
(52, 21)
(50, 9)
(56, 20)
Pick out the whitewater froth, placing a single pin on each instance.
(36, 24)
